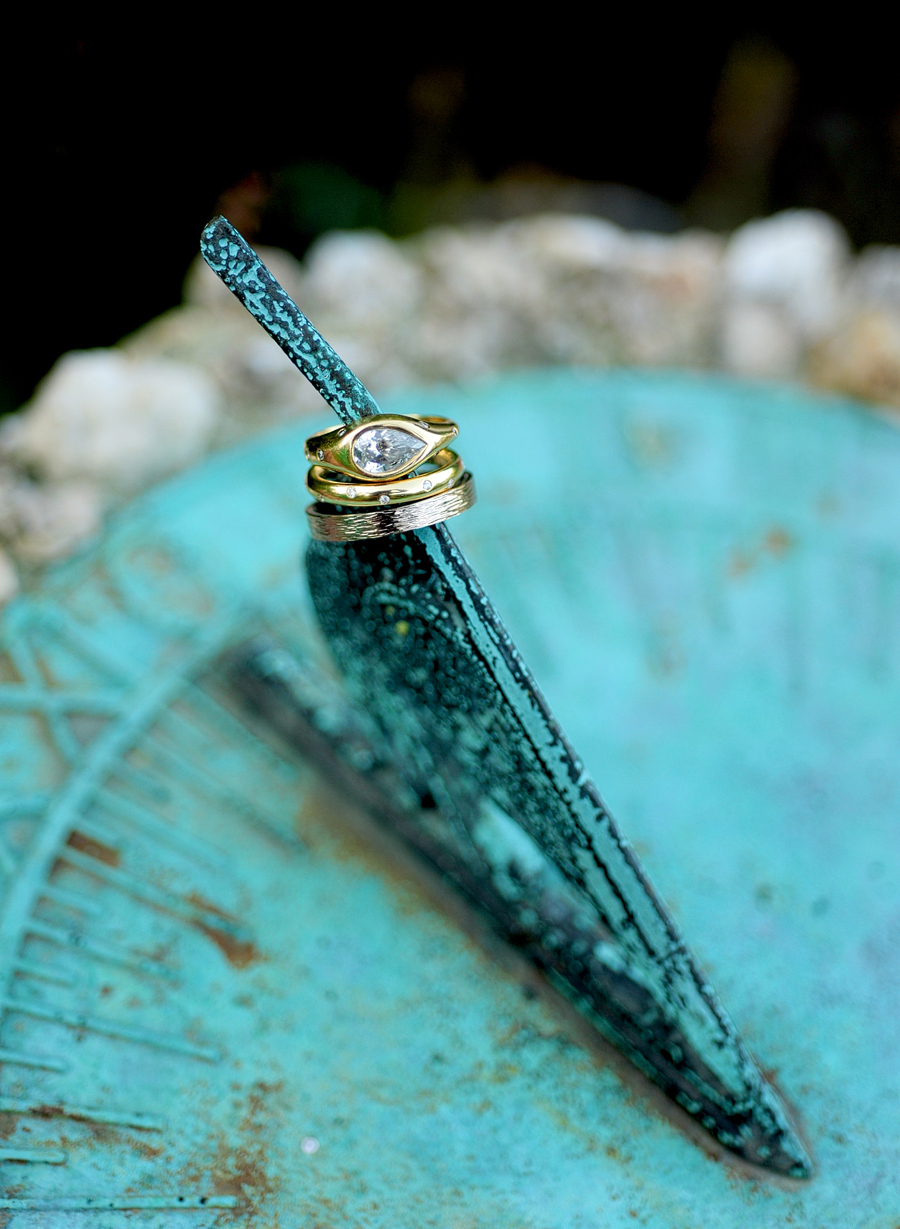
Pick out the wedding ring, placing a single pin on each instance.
(382, 447)
(369, 466)
(328, 525)
(331, 487)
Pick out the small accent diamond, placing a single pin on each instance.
(384, 499)
(321, 455)
(351, 492)
(426, 485)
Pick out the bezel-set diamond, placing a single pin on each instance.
(383, 451)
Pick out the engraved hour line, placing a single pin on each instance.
(84, 1113)
(140, 780)
(99, 949)
(8, 863)
(124, 1203)
(225, 722)
(45, 972)
(35, 1156)
(128, 811)
(192, 775)
(34, 699)
(151, 894)
(226, 726)
(109, 1028)
(89, 827)
(72, 900)
(183, 729)
(45, 1062)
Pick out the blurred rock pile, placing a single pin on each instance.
(782, 298)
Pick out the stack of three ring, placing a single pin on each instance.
(385, 475)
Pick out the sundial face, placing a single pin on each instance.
(219, 998)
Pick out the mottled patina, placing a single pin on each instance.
(463, 718)
(207, 960)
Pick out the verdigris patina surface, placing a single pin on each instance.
(254, 1008)
(462, 719)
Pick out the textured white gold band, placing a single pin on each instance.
(329, 525)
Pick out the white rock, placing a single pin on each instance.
(115, 421)
(862, 358)
(795, 263)
(363, 277)
(44, 521)
(760, 340)
(481, 289)
(566, 242)
(364, 292)
(665, 297)
(257, 383)
(575, 263)
(9, 581)
(876, 278)
(55, 519)
(564, 289)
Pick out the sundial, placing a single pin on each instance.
(231, 997)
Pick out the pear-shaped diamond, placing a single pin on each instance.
(385, 450)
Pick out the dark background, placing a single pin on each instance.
(122, 139)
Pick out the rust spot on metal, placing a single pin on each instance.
(94, 848)
(150, 1151)
(49, 1111)
(739, 564)
(238, 952)
(242, 1169)
(778, 541)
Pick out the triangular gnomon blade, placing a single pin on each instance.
(524, 830)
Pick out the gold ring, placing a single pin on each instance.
(381, 447)
(329, 526)
(331, 487)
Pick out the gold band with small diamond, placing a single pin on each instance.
(331, 487)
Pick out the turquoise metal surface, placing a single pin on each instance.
(225, 1013)
(231, 257)
(501, 801)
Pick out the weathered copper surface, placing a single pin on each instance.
(501, 790)
(715, 623)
